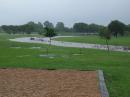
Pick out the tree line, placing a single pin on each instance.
(116, 27)
(28, 28)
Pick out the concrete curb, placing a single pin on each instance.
(103, 88)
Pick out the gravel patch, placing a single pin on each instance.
(48, 83)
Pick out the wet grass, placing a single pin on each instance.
(116, 65)
(125, 41)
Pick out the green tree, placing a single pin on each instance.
(105, 34)
(116, 27)
(60, 27)
(80, 27)
(127, 29)
(50, 32)
(48, 24)
(28, 28)
(94, 28)
(39, 28)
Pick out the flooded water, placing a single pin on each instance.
(72, 44)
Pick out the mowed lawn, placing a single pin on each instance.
(125, 41)
(116, 65)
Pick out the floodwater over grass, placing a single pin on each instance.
(124, 41)
(116, 65)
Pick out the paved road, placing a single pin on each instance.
(71, 44)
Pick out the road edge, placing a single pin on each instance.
(102, 84)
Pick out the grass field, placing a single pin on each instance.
(97, 40)
(116, 65)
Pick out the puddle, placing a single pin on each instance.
(64, 56)
(77, 54)
(51, 56)
(23, 56)
(35, 47)
(71, 44)
(16, 47)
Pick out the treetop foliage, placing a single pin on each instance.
(87, 28)
(28, 28)
(50, 32)
(105, 33)
(115, 27)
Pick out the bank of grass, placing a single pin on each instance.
(125, 41)
(116, 65)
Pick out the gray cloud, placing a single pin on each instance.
(68, 11)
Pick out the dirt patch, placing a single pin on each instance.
(44, 83)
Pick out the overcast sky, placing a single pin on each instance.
(17, 12)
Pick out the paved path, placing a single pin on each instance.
(71, 44)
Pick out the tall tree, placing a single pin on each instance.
(60, 27)
(50, 32)
(80, 27)
(39, 28)
(28, 28)
(94, 28)
(128, 27)
(105, 34)
(116, 27)
(48, 24)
